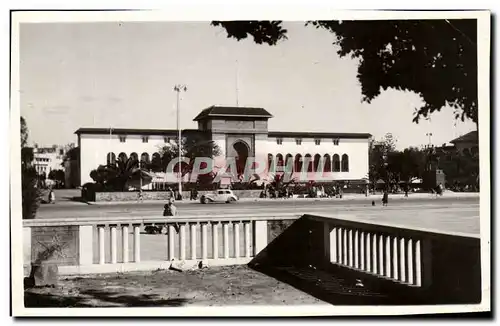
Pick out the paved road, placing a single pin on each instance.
(445, 214)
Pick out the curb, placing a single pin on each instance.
(345, 198)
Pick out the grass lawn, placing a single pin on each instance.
(215, 286)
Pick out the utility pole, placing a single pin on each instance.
(178, 89)
(237, 100)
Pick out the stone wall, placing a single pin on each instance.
(161, 195)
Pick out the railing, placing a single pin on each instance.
(446, 263)
(114, 244)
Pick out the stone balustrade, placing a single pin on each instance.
(113, 244)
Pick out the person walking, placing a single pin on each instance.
(385, 198)
(52, 196)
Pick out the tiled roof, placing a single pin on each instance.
(229, 111)
(470, 137)
(128, 131)
(299, 134)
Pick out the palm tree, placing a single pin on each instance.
(120, 175)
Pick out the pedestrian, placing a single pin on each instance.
(52, 196)
(170, 210)
(406, 190)
(171, 194)
(385, 198)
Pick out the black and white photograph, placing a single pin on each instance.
(250, 167)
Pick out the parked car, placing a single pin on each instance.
(219, 196)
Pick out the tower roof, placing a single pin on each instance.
(231, 111)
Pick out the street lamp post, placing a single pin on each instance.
(178, 89)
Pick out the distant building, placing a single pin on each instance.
(46, 159)
(468, 142)
(240, 132)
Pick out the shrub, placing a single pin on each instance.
(31, 194)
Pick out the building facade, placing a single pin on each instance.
(46, 159)
(241, 133)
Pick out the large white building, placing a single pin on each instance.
(240, 132)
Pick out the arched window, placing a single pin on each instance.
(289, 163)
(270, 162)
(327, 167)
(279, 160)
(317, 158)
(297, 163)
(345, 163)
(308, 161)
(134, 156)
(156, 162)
(111, 159)
(145, 158)
(336, 163)
(122, 157)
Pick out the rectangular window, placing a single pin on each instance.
(279, 141)
(166, 140)
(335, 141)
(317, 141)
(145, 139)
(122, 139)
(298, 141)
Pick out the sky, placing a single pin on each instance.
(122, 74)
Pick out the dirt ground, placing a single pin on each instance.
(216, 286)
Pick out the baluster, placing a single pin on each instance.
(193, 241)
(215, 240)
(100, 229)
(418, 264)
(182, 241)
(356, 249)
(112, 243)
(344, 247)
(333, 245)
(381, 255)
(362, 251)
(368, 253)
(388, 256)
(171, 242)
(236, 233)
(402, 260)
(247, 239)
(410, 261)
(395, 257)
(225, 240)
(204, 242)
(137, 243)
(125, 243)
(374, 253)
(339, 246)
(351, 248)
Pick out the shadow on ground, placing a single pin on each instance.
(297, 257)
(92, 298)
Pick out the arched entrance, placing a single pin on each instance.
(242, 151)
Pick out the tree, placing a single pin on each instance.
(24, 133)
(194, 145)
(117, 176)
(31, 195)
(436, 59)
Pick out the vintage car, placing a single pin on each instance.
(219, 196)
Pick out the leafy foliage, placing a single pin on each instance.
(114, 177)
(268, 32)
(31, 194)
(436, 59)
(24, 133)
(193, 146)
